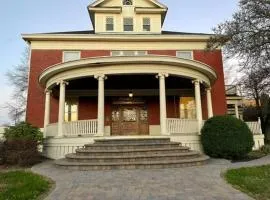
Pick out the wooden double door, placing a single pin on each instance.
(129, 120)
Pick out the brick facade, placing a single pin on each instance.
(42, 59)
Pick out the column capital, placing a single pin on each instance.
(196, 81)
(47, 91)
(162, 75)
(208, 89)
(62, 82)
(100, 76)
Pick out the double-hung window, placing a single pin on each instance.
(146, 24)
(109, 24)
(128, 24)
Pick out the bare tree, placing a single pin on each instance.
(246, 35)
(18, 78)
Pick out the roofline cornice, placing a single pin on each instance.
(114, 37)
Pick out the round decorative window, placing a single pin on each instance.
(127, 2)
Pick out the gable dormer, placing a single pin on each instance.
(127, 16)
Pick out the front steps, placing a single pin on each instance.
(142, 153)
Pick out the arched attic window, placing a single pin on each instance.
(127, 2)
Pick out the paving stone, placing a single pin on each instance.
(192, 183)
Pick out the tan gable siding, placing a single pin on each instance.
(137, 3)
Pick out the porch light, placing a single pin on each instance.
(130, 94)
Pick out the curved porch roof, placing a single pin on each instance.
(113, 65)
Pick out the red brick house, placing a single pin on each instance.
(125, 78)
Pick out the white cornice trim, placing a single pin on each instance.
(96, 3)
(114, 37)
(106, 10)
(128, 65)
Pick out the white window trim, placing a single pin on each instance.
(63, 55)
(106, 24)
(185, 51)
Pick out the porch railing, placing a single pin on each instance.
(255, 127)
(80, 128)
(191, 126)
(182, 125)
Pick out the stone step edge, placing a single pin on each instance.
(129, 139)
(130, 150)
(64, 162)
(138, 144)
(183, 154)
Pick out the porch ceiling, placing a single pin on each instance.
(127, 65)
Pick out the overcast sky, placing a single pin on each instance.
(35, 16)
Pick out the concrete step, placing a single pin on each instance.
(132, 141)
(133, 165)
(131, 158)
(124, 152)
(131, 146)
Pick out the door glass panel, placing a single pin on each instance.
(115, 115)
(129, 115)
(143, 115)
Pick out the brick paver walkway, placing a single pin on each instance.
(194, 183)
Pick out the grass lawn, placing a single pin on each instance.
(255, 181)
(22, 185)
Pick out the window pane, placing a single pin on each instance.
(141, 53)
(128, 53)
(70, 56)
(128, 24)
(146, 27)
(184, 54)
(128, 27)
(71, 109)
(127, 2)
(187, 108)
(116, 53)
(146, 24)
(109, 24)
(109, 27)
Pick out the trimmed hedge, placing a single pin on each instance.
(226, 137)
(21, 145)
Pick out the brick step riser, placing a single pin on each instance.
(132, 153)
(119, 160)
(93, 147)
(130, 167)
(141, 141)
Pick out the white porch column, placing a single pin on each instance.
(47, 110)
(61, 113)
(198, 104)
(209, 103)
(236, 110)
(162, 99)
(101, 110)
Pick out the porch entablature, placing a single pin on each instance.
(128, 65)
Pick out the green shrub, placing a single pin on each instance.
(21, 145)
(23, 131)
(226, 137)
